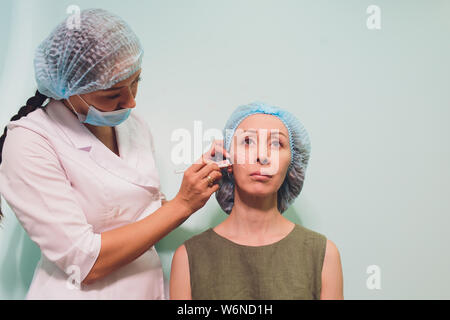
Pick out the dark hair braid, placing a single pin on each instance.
(32, 104)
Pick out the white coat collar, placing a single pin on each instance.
(135, 164)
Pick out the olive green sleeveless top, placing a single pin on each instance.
(288, 269)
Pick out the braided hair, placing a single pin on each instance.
(32, 104)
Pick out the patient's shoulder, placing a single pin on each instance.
(199, 239)
(310, 234)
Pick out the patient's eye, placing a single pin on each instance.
(248, 140)
(276, 143)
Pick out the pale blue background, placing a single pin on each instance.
(376, 105)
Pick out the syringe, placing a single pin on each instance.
(221, 165)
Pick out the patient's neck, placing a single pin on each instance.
(255, 215)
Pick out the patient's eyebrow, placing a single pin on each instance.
(279, 132)
(272, 132)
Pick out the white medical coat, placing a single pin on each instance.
(66, 188)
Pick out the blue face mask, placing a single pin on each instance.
(102, 118)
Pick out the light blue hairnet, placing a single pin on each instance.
(99, 53)
(300, 146)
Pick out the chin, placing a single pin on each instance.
(259, 189)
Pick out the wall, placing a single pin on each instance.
(375, 102)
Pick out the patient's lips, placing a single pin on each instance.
(257, 175)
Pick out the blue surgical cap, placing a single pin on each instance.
(99, 52)
(300, 147)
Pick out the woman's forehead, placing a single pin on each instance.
(263, 121)
(126, 81)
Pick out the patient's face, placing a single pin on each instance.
(261, 154)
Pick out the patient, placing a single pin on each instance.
(256, 253)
